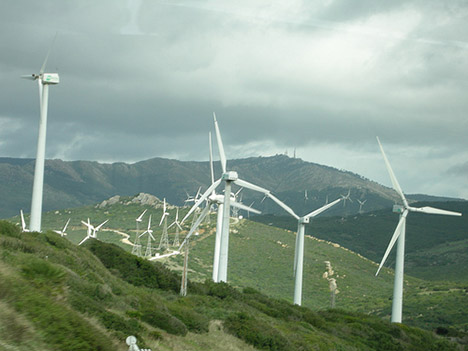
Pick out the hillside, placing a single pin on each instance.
(261, 257)
(436, 246)
(78, 183)
(57, 296)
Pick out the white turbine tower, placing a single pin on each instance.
(44, 80)
(399, 235)
(224, 203)
(23, 223)
(63, 231)
(92, 230)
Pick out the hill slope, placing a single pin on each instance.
(436, 246)
(55, 295)
(261, 256)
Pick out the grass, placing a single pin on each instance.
(86, 298)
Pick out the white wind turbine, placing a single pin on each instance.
(63, 231)
(361, 203)
(164, 243)
(178, 227)
(148, 231)
(136, 249)
(92, 230)
(399, 235)
(224, 203)
(23, 223)
(299, 248)
(44, 80)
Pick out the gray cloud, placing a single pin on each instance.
(142, 78)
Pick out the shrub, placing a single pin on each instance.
(256, 333)
(194, 321)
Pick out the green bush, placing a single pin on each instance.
(165, 321)
(194, 321)
(256, 333)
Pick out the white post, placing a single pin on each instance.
(223, 257)
(397, 305)
(300, 262)
(38, 184)
(219, 227)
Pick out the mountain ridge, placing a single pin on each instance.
(78, 183)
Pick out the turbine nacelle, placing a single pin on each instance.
(230, 176)
(46, 78)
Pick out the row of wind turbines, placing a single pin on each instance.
(224, 204)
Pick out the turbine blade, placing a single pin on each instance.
(211, 158)
(395, 236)
(82, 241)
(432, 210)
(244, 184)
(201, 199)
(162, 218)
(222, 155)
(142, 233)
(150, 232)
(149, 223)
(47, 57)
(395, 183)
(23, 223)
(141, 216)
(66, 225)
(87, 224)
(179, 226)
(195, 226)
(171, 225)
(244, 207)
(323, 208)
(29, 76)
(284, 206)
(100, 225)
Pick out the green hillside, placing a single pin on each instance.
(436, 246)
(57, 296)
(261, 257)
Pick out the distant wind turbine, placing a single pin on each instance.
(164, 243)
(44, 80)
(361, 203)
(63, 231)
(23, 223)
(92, 230)
(136, 249)
(399, 235)
(149, 231)
(178, 227)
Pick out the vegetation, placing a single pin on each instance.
(82, 298)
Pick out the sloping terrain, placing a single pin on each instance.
(57, 296)
(436, 246)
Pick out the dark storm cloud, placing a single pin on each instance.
(142, 78)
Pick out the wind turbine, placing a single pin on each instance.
(136, 249)
(224, 203)
(361, 203)
(92, 230)
(24, 229)
(63, 231)
(164, 243)
(399, 235)
(178, 227)
(299, 249)
(44, 80)
(148, 231)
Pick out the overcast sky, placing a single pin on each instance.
(141, 78)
